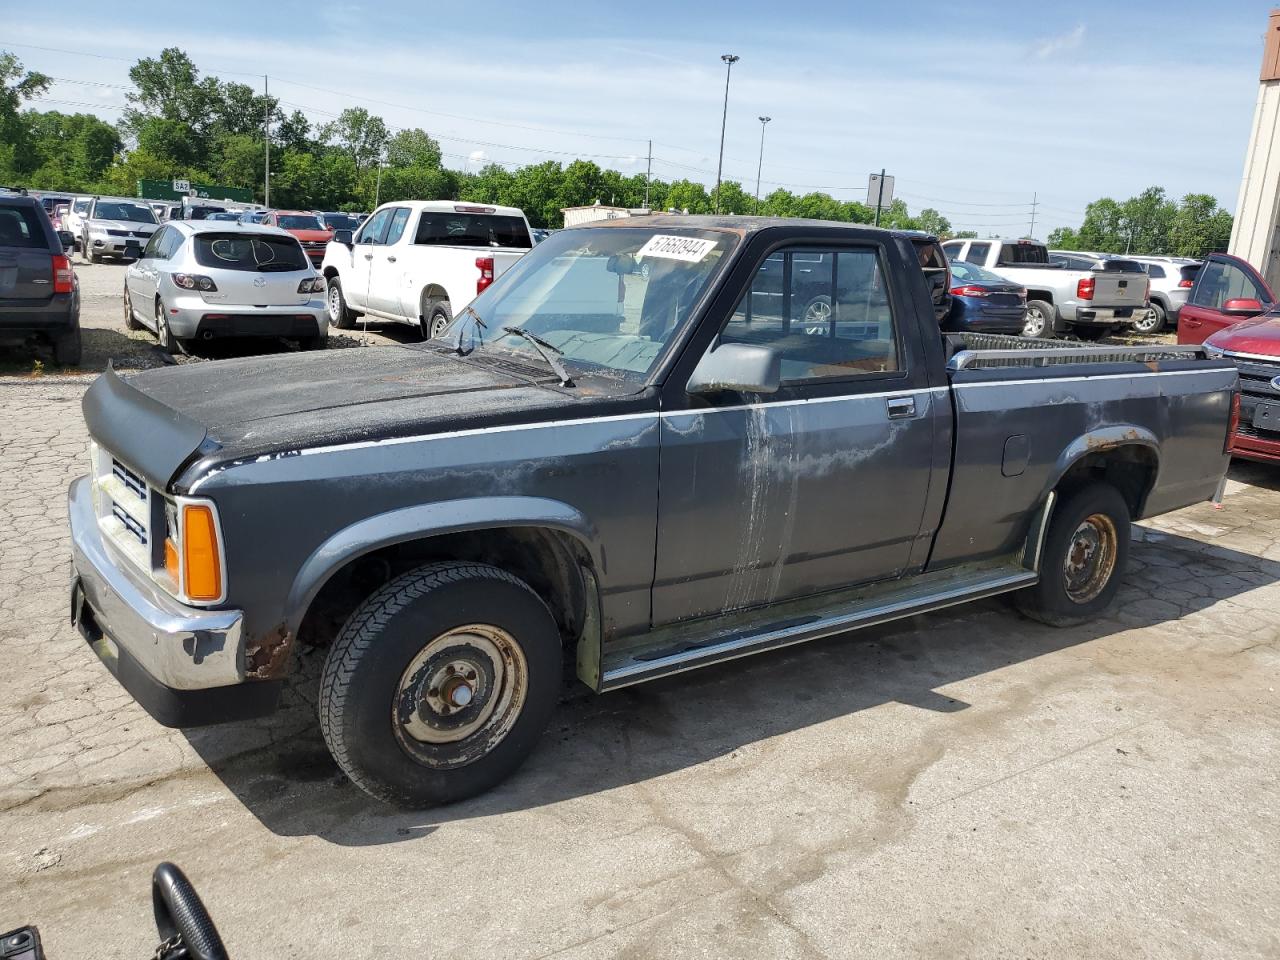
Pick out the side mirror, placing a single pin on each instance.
(67, 238)
(343, 237)
(741, 367)
(1242, 307)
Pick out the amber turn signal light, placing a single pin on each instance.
(201, 565)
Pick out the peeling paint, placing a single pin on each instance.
(265, 657)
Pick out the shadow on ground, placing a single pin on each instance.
(600, 743)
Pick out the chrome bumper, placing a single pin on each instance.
(178, 646)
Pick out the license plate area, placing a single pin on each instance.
(1266, 416)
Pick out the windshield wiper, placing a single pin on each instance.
(547, 351)
(478, 321)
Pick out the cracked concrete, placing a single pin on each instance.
(966, 784)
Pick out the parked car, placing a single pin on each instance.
(225, 216)
(116, 227)
(638, 475)
(1090, 299)
(207, 279)
(339, 221)
(1233, 312)
(983, 301)
(39, 292)
(73, 221)
(59, 212)
(1171, 279)
(51, 202)
(253, 216)
(418, 261)
(311, 233)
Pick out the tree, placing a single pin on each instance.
(170, 88)
(359, 134)
(687, 195)
(733, 199)
(931, 221)
(17, 86)
(413, 148)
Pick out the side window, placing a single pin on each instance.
(81, 206)
(399, 218)
(978, 254)
(953, 248)
(375, 228)
(1155, 271)
(170, 244)
(152, 250)
(1220, 281)
(826, 312)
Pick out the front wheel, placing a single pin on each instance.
(1152, 321)
(1084, 557)
(1037, 322)
(440, 683)
(340, 314)
(130, 321)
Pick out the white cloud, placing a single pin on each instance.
(1047, 47)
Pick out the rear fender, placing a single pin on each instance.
(1129, 438)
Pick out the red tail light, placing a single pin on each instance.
(1186, 283)
(1084, 289)
(1234, 423)
(968, 291)
(63, 277)
(485, 266)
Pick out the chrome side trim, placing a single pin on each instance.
(870, 614)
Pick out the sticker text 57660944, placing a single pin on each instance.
(691, 249)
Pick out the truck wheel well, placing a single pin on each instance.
(1129, 468)
(1045, 295)
(430, 293)
(551, 562)
(330, 272)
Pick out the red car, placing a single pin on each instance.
(311, 233)
(1232, 311)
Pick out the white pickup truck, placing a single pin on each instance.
(1087, 302)
(419, 261)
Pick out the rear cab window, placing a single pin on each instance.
(977, 253)
(1022, 252)
(242, 251)
(466, 228)
(21, 227)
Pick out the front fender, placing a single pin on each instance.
(428, 520)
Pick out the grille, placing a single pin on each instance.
(126, 233)
(1256, 376)
(124, 506)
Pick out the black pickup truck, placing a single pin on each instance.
(640, 449)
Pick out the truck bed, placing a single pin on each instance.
(978, 351)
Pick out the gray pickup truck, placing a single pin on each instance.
(638, 452)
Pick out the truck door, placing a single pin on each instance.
(1226, 291)
(822, 485)
(368, 244)
(386, 268)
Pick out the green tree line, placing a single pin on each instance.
(178, 123)
(1150, 223)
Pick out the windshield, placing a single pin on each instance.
(340, 221)
(298, 221)
(238, 251)
(607, 299)
(201, 213)
(123, 210)
(967, 271)
(472, 230)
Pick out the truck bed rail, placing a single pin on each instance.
(980, 351)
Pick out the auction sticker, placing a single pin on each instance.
(690, 249)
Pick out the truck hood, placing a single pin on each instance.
(1257, 335)
(313, 236)
(161, 422)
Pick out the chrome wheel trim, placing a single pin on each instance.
(1033, 324)
(464, 690)
(437, 324)
(335, 303)
(1091, 558)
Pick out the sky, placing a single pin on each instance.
(974, 108)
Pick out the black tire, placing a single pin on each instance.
(1091, 334)
(340, 314)
(130, 321)
(164, 336)
(1052, 600)
(367, 669)
(67, 348)
(1152, 322)
(437, 316)
(1039, 320)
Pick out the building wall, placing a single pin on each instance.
(1255, 236)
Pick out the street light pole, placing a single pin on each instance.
(760, 164)
(730, 59)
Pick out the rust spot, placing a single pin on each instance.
(265, 657)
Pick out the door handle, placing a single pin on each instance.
(368, 256)
(391, 259)
(901, 408)
(1190, 322)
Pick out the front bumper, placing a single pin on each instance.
(117, 246)
(183, 665)
(1253, 447)
(193, 316)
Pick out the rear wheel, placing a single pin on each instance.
(340, 314)
(1084, 557)
(438, 315)
(168, 342)
(1038, 321)
(1152, 321)
(440, 683)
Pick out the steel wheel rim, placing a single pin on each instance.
(1091, 558)
(334, 298)
(1033, 324)
(460, 695)
(438, 323)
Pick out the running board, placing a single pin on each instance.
(689, 646)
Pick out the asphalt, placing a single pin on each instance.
(966, 784)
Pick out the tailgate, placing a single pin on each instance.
(26, 274)
(503, 259)
(1115, 289)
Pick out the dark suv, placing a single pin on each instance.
(39, 293)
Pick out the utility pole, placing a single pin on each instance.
(648, 173)
(266, 139)
(760, 163)
(880, 197)
(377, 185)
(1034, 203)
(730, 59)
